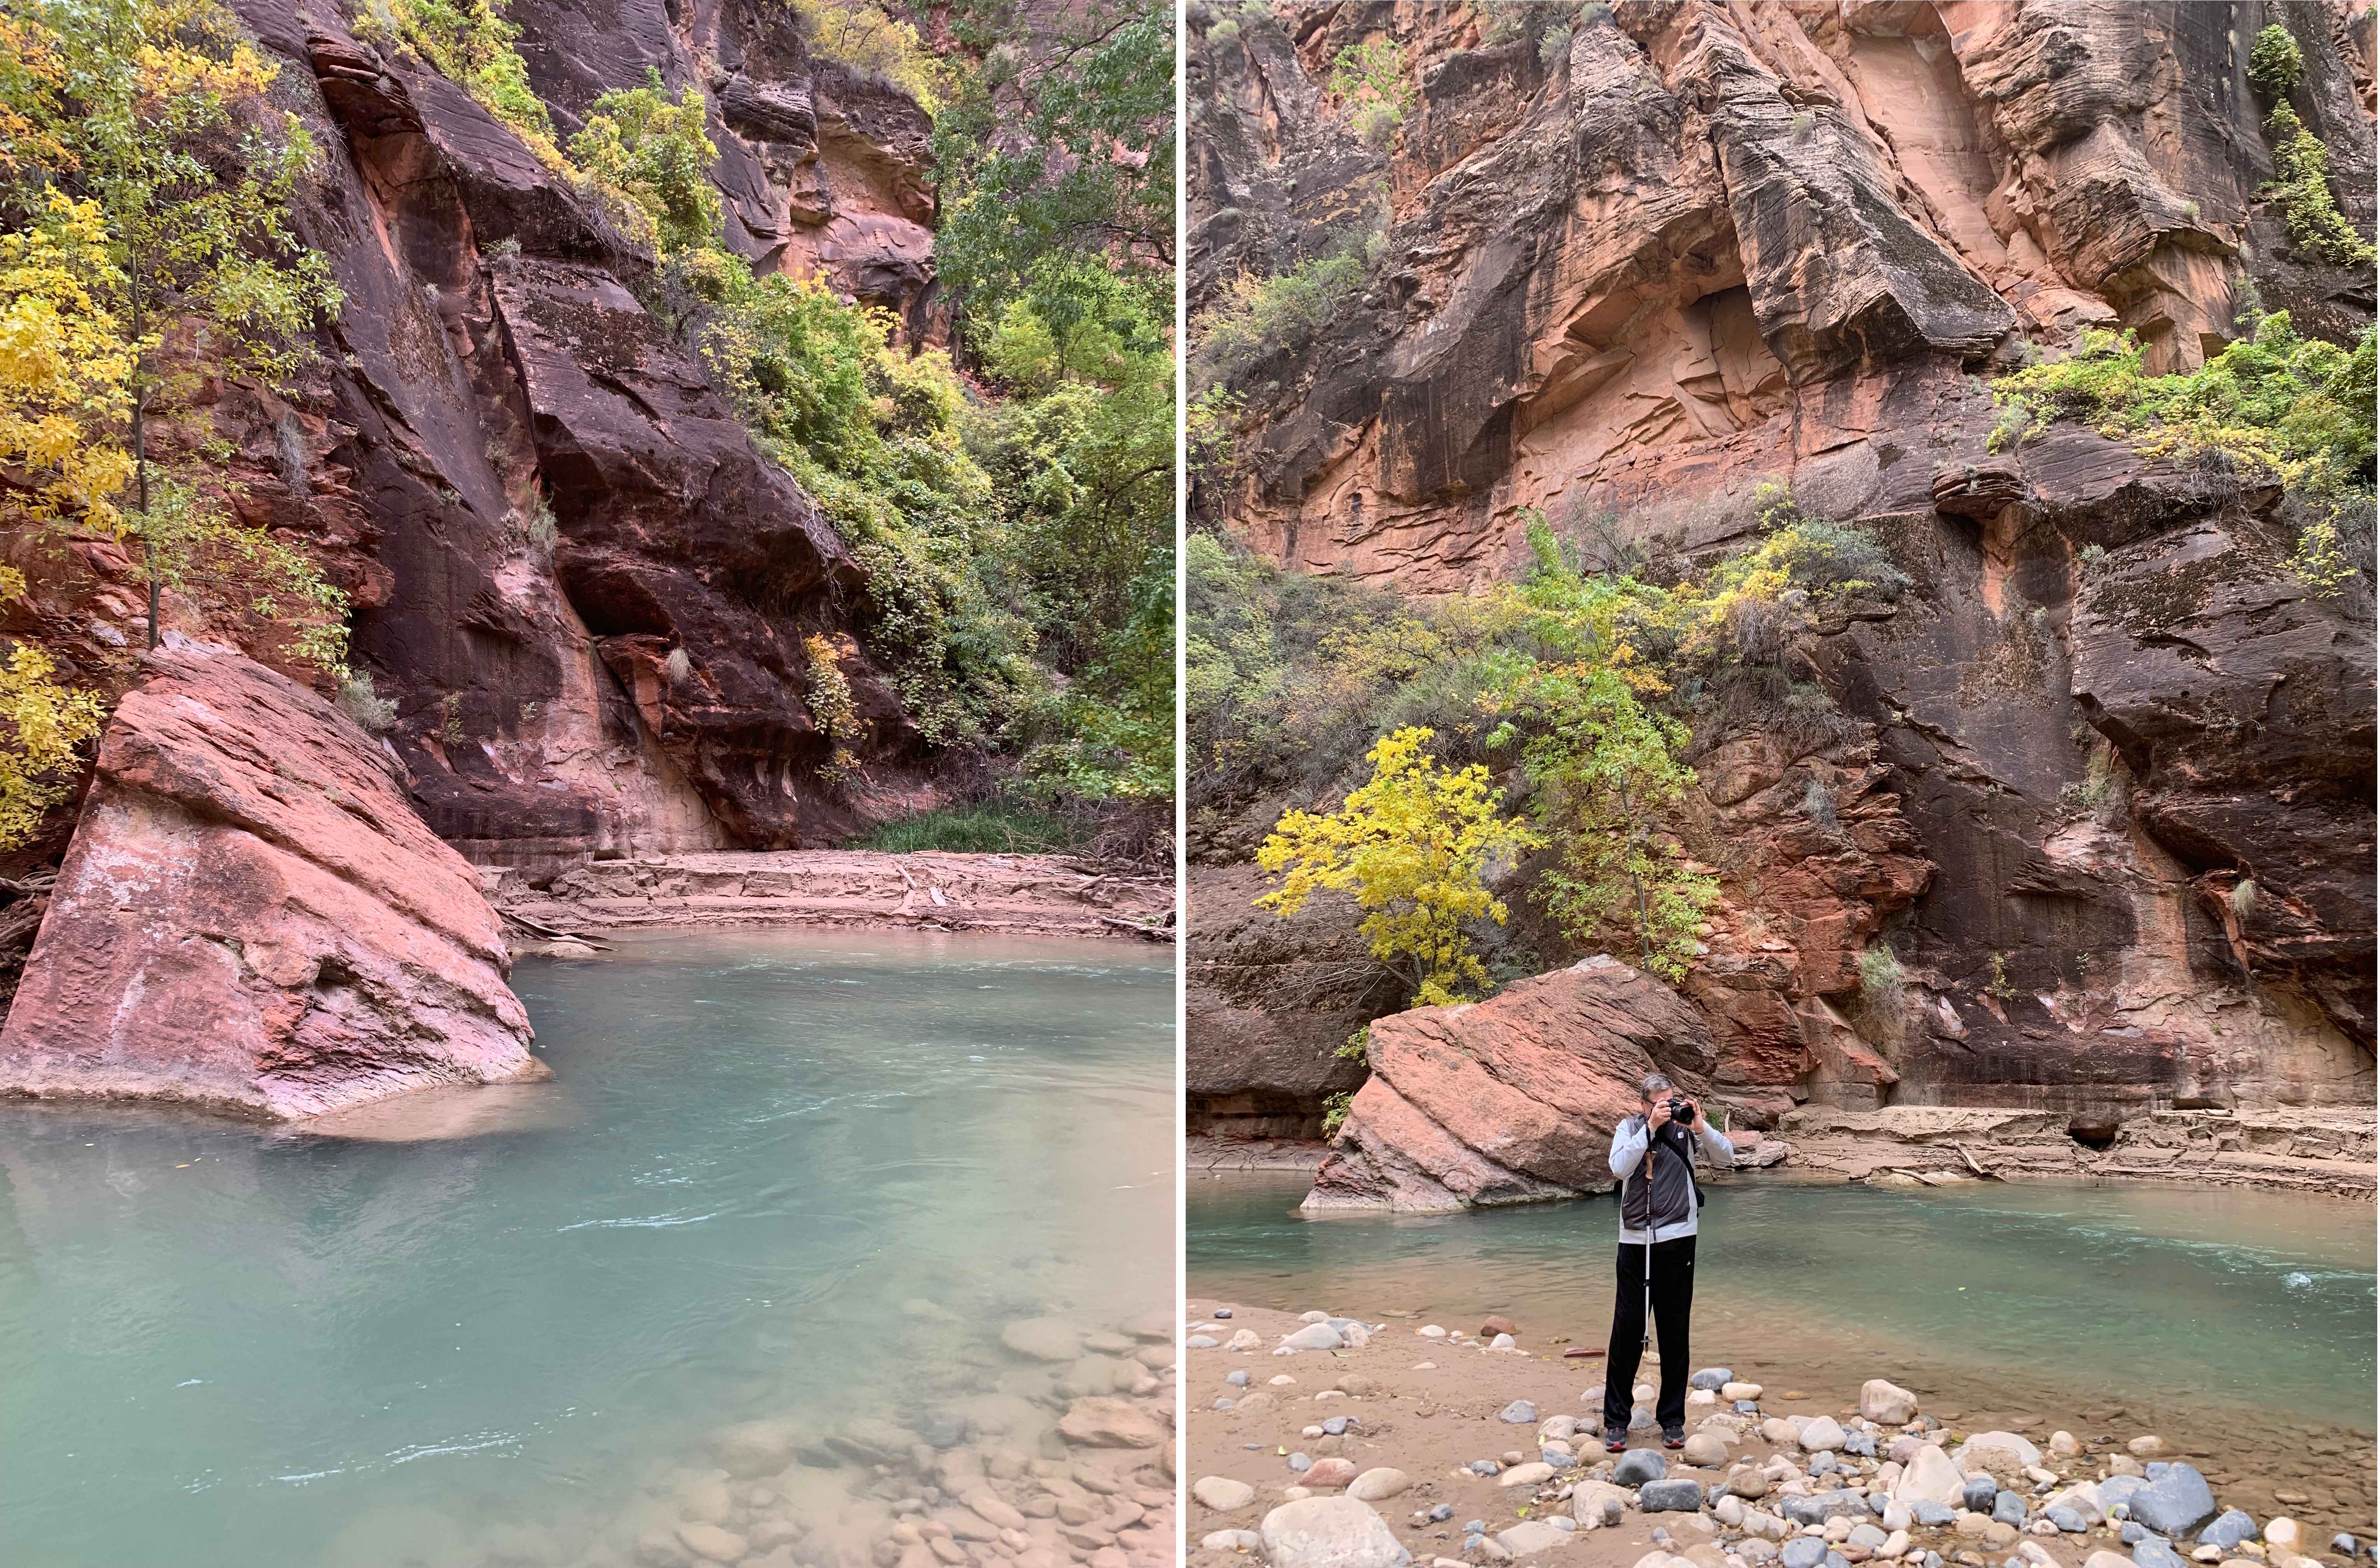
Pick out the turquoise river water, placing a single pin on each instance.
(2241, 1321)
(779, 1174)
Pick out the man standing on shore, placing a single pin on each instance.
(1653, 1154)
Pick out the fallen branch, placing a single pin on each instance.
(557, 934)
(1148, 933)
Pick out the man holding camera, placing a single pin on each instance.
(1653, 1154)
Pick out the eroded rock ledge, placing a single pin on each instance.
(1035, 895)
(252, 919)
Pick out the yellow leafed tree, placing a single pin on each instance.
(1414, 846)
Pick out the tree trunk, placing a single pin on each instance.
(141, 469)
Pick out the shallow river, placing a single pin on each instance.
(2240, 1321)
(779, 1174)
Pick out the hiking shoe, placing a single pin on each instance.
(1673, 1436)
(1615, 1439)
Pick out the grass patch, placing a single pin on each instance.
(990, 827)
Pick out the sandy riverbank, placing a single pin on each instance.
(1011, 895)
(1430, 1407)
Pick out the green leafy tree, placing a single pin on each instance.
(1414, 846)
(1071, 151)
(162, 192)
(650, 147)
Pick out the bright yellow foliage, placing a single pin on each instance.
(1414, 846)
(66, 364)
(44, 723)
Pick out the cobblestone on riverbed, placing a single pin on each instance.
(1772, 1477)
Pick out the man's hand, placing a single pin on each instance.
(1693, 1112)
(1660, 1115)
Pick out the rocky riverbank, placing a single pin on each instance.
(1036, 894)
(1323, 1441)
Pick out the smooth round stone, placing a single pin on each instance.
(1222, 1493)
(1053, 1338)
(1201, 1342)
(1330, 1474)
(1231, 1541)
(1637, 1466)
(1520, 1413)
(1237, 1377)
(1374, 1485)
(1529, 1474)
(1330, 1532)
(1823, 1434)
(1711, 1377)
(1301, 1462)
(1678, 1496)
(1705, 1450)
(2146, 1446)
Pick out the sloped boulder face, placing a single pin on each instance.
(252, 919)
(1509, 1100)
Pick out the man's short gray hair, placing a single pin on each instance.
(1652, 1083)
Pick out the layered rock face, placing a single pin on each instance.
(252, 919)
(1511, 1099)
(1629, 275)
(585, 589)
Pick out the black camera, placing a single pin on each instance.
(1681, 1113)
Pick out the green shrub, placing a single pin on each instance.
(2301, 182)
(1257, 317)
(470, 43)
(874, 42)
(651, 148)
(1881, 1011)
(364, 705)
(1334, 1111)
(2274, 63)
(1224, 34)
(1374, 70)
(2273, 407)
(1553, 44)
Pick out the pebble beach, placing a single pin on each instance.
(1321, 1440)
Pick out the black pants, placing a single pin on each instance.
(1673, 1308)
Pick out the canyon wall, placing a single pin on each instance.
(1629, 273)
(584, 588)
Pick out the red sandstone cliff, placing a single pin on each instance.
(1691, 246)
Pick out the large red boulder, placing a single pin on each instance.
(251, 918)
(1509, 1100)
